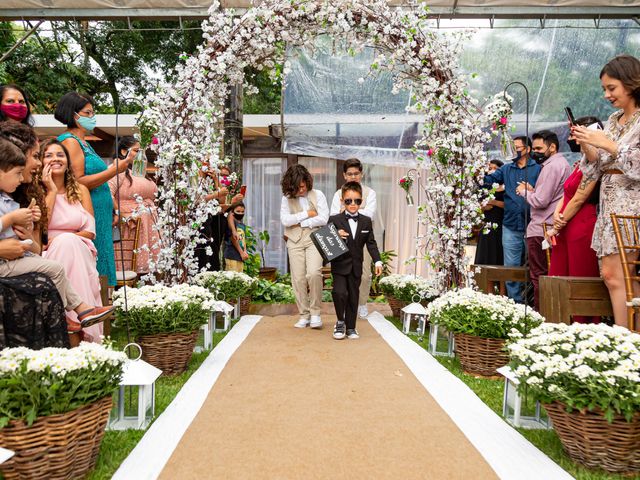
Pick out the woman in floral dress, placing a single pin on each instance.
(614, 156)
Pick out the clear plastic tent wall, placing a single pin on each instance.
(327, 112)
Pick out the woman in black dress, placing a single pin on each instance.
(489, 251)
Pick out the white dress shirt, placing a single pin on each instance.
(369, 209)
(289, 219)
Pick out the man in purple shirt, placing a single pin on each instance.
(542, 199)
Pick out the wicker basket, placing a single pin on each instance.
(396, 306)
(59, 446)
(590, 440)
(170, 352)
(480, 356)
(244, 304)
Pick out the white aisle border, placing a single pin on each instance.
(149, 457)
(510, 454)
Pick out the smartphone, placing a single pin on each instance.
(243, 190)
(572, 120)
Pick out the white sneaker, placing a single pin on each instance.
(363, 312)
(316, 321)
(302, 323)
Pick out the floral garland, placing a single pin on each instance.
(188, 115)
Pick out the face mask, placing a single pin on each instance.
(239, 216)
(15, 111)
(518, 156)
(538, 157)
(87, 123)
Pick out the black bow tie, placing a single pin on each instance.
(353, 217)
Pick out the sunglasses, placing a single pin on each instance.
(349, 201)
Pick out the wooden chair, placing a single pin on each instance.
(493, 278)
(627, 230)
(127, 249)
(545, 227)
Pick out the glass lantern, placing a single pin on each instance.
(514, 402)
(414, 312)
(440, 341)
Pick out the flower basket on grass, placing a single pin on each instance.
(588, 378)
(401, 290)
(231, 286)
(480, 324)
(54, 407)
(165, 321)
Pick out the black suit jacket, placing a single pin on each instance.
(352, 260)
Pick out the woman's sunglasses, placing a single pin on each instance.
(349, 201)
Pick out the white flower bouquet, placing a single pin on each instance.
(231, 285)
(408, 287)
(583, 366)
(38, 383)
(482, 315)
(154, 309)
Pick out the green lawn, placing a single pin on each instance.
(491, 391)
(118, 444)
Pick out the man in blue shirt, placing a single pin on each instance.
(516, 210)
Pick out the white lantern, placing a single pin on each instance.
(414, 312)
(220, 318)
(139, 385)
(437, 336)
(512, 404)
(5, 454)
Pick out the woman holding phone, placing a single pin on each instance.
(613, 155)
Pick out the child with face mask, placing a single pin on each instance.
(235, 246)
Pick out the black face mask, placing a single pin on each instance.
(539, 157)
(238, 216)
(573, 146)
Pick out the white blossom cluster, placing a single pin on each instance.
(221, 283)
(60, 361)
(188, 115)
(579, 352)
(160, 296)
(408, 285)
(516, 317)
(499, 110)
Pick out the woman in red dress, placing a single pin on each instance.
(573, 222)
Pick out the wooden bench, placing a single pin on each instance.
(492, 278)
(563, 297)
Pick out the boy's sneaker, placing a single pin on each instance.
(363, 312)
(302, 323)
(316, 321)
(352, 333)
(339, 331)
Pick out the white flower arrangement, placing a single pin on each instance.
(584, 366)
(483, 315)
(226, 284)
(499, 111)
(407, 287)
(36, 383)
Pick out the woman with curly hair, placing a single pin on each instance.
(71, 230)
(302, 211)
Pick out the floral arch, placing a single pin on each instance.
(187, 116)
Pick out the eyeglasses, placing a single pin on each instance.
(87, 113)
(349, 201)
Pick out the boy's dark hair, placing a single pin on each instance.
(69, 105)
(496, 162)
(233, 206)
(28, 120)
(548, 137)
(10, 156)
(21, 135)
(351, 186)
(526, 141)
(625, 68)
(352, 163)
(292, 178)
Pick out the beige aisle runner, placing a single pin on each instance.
(296, 404)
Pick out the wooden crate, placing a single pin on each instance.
(492, 278)
(563, 297)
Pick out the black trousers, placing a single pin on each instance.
(213, 230)
(345, 295)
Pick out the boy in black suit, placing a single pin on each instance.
(357, 231)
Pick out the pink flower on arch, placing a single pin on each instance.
(503, 120)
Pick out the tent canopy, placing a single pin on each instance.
(197, 9)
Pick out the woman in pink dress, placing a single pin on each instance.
(128, 188)
(71, 229)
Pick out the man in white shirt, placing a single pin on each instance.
(352, 172)
(302, 211)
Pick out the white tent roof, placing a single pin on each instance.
(156, 9)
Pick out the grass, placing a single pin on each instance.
(117, 445)
(490, 391)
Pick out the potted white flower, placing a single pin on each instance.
(54, 407)
(229, 285)
(165, 321)
(480, 324)
(400, 290)
(588, 378)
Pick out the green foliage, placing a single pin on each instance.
(177, 317)
(272, 292)
(267, 100)
(253, 263)
(386, 257)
